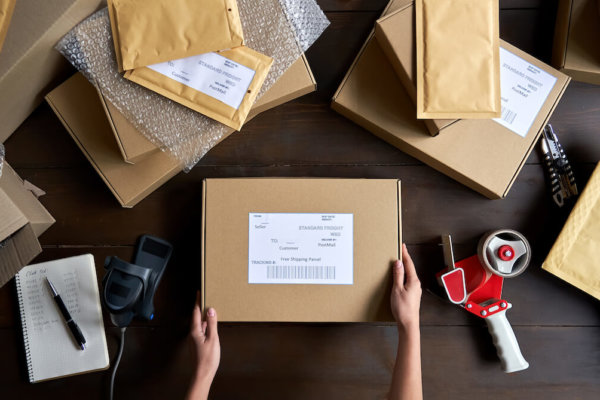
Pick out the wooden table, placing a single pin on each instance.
(558, 327)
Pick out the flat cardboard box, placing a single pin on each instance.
(481, 154)
(395, 34)
(226, 204)
(78, 106)
(22, 220)
(297, 81)
(576, 51)
(29, 65)
(574, 255)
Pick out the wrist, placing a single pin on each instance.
(409, 329)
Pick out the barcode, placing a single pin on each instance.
(508, 115)
(300, 272)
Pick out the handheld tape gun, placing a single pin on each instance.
(475, 284)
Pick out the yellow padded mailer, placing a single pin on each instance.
(458, 61)
(147, 32)
(575, 255)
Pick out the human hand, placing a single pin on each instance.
(406, 292)
(205, 338)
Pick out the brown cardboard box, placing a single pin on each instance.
(133, 146)
(574, 255)
(29, 65)
(395, 34)
(22, 220)
(78, 106)
(576, 51)
(227, 223)
(481, 154)
(295, 82)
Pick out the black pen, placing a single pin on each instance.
(68, 319)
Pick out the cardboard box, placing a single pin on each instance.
(574, 255)
(395, 34)
(297, 81)
(22, 220)
(134, 147)
(227, 229)
(29, 65)
(576, 51)
(78, 106)
(481, 154)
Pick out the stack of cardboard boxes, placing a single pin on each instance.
(486, 155)
(129, 164)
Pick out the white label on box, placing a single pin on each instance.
(524, 89)
(211, 74)
(301, 248)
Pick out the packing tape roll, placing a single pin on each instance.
(504, 252)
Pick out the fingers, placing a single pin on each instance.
(196, 328)
(211, 330)
(409, 266)
(398, 274)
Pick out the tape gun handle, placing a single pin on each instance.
(506, 343)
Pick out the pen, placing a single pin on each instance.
(68, 319)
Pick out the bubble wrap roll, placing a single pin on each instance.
(281, 29)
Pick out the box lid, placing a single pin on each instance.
(481, 154)
(376, 210)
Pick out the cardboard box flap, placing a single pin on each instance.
(11, 217)
(573, 256)
(17, 251)
(25, 200)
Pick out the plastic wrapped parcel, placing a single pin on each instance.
(281, 29)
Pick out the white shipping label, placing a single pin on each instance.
(524, 89)
(211, 74)
(301, 248)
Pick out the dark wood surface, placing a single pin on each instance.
(558, 327)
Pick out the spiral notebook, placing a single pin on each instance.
(50, 350)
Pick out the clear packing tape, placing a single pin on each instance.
(281, 29)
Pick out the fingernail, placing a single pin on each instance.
(211, 312)
(399, 264)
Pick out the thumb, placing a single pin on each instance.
(211, 330)
(398, 274)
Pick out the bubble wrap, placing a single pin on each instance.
(270, 27)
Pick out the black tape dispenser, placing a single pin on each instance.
(128, 288)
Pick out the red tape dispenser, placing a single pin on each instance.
(475, 284)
